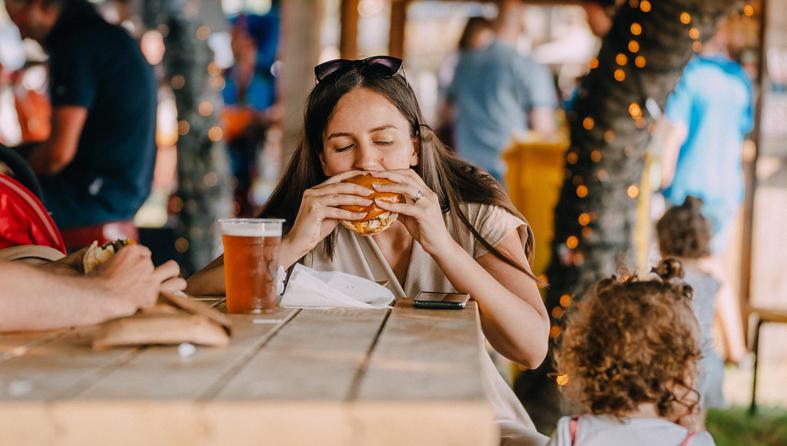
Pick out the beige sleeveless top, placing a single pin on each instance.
(354, 255)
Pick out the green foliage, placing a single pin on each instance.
(734, 426)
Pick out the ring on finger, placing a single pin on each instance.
(418, 195)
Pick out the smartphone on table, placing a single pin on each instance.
(440, 300)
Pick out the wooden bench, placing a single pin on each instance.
(330, 377)
(762, 316)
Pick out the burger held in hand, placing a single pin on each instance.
(376, 220)
(96, 254)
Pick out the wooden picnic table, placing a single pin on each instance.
(404, 376)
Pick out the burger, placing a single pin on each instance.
(97, 255)
(376, 219)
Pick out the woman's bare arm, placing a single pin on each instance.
(513, 315)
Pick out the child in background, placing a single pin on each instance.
(629, 354)
(684, 233)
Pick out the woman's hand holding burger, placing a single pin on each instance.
(420, 213)
(367, 202)
(319, 213)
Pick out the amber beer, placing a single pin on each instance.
(251, 262)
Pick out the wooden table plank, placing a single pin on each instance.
(159, 373)
(328, 377)
(116, 423)
(280, 423)
(316, 358)
(133, 423)
(17, 344)
(422, 382)
(425, 354)
(359, 423)
(405, 423)
(58, 369)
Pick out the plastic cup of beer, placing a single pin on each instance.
(251, 263)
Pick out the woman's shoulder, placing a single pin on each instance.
(482, 211)
(492, 219)
(493, 223)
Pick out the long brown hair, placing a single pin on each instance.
(452, 179)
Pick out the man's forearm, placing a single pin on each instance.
(32, 299)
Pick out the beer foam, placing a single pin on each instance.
(250, 230)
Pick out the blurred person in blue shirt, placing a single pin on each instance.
(498, 93)
(250, 97)
(255, 40)
(708, 115)
(478, 34)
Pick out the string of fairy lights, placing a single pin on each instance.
(624, 63)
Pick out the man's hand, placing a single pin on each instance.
(70, 265)
(130, 279)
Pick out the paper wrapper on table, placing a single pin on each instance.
(309, 288)
(175, 319)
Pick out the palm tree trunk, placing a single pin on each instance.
(640, 61)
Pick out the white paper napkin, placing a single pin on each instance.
(309, 288)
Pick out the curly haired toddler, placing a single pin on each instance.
(630, 354)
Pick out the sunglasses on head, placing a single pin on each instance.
(379, 66)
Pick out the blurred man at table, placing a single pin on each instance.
(497, 93)
(96, 168)
(125, 283)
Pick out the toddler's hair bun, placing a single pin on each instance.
(671, 272)
(693, 203)
(669, 269)
(605, 285)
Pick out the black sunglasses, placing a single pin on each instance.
(379, 66)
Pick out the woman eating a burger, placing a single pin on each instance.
(408, 209)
